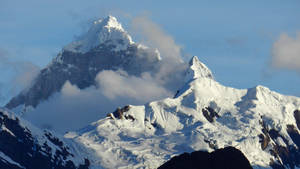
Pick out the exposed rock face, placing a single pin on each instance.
(297, 118)
(264, 137)
(225, 158)
(119, 113)
(210, 114)
(22, 148)
(81, 69)
(285, 153)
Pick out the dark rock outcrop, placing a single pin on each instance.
(119, 113)
(288, 155)
(210, 114)
(297, 118)
(264, 137)
(211, 143)
(226, 158)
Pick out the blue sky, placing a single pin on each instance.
(234, 38)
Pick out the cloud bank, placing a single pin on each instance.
(81, 107)
(286, 52)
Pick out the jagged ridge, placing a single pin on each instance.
(25, 146)
(205, 115)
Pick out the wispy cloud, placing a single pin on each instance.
(21, 73)
(286, 52)
(156, 37)
(171, 53)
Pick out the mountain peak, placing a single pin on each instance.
(198, 70)
(109, 22)
(103, 31)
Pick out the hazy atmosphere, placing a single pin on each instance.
(241, 49)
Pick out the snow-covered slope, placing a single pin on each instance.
(24, 146)
(204, 115)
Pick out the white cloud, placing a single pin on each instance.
(70, 90)
(81, 107)
(119, 84)
(156, 37)
(170, 52)
(286, 52)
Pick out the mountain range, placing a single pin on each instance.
(201, 114)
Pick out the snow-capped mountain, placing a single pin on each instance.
(106, 46)
(204, 115)
(25, 146)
